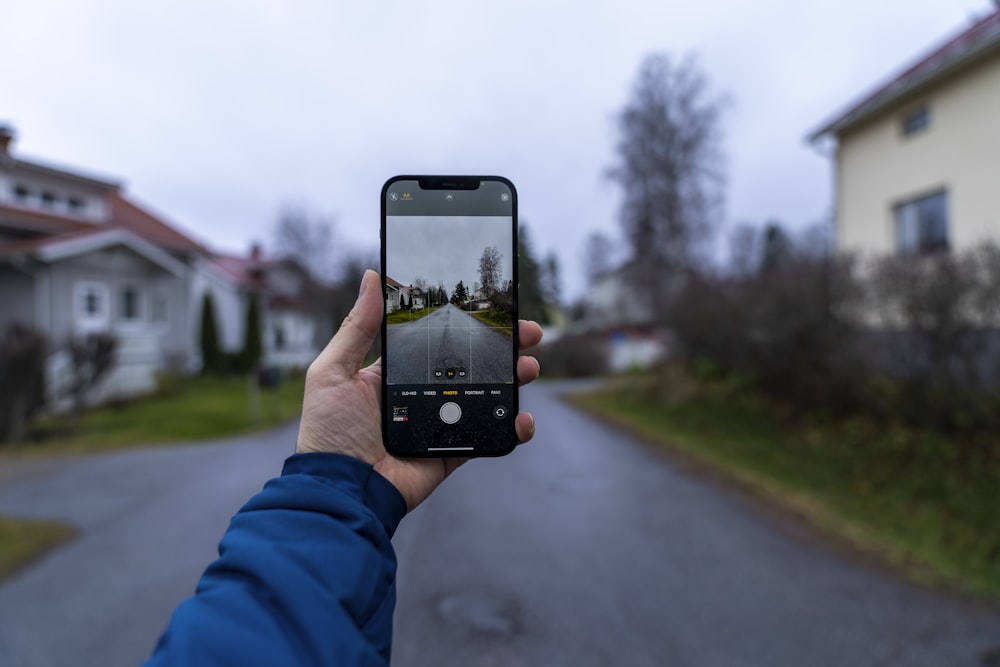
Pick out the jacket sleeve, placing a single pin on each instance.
(306, 574)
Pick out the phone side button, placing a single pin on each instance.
(450, 413)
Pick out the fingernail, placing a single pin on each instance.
(364, 284)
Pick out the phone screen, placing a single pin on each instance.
(449, 335)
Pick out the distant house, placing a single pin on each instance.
(916, 160)
(77, 255)
(418, 297)
(627, 326)
(393, 295)
(291, 325)
(402, 297)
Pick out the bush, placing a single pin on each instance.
(573, 356)
(913, 339)
(93, 356)
(939, 317)
(22, 378)
(788, 325)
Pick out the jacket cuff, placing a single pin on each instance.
(355, 478)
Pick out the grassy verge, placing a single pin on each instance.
(921, 501)
(197, 408)
(22, 541)
(495, 318)
(404, 316)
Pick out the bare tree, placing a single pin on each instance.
(598, 255)
(669, 166)
(489, 270)
(308, 238)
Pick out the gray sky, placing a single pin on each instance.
(445, 249)
(214, 113)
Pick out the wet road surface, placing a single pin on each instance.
(584, 548)
(581, 548)
(447, 345)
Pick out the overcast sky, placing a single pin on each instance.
(445, 249)
(214, 113)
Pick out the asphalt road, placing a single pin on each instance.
(581, 548)
(448, 338)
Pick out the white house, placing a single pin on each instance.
(917, 160)
(79, 256)
(402, 297)
(292, 325)
(614, 310)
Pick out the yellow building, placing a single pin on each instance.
(918, 160)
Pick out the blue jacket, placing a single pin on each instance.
(306, 574)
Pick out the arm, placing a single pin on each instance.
(305, 575)
(306, 571)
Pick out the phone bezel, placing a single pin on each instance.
(450, 182)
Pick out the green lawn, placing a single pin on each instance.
(23, 541)
(403, 316)
(197, 408)
(924, 502)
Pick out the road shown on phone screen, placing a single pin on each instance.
(447, 346)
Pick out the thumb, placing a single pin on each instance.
(358, 331)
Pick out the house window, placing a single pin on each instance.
(916, 120)
(130, 304)
(91, 305)
(922, 224)
(21, 193)
(75, 205)
(48, 199)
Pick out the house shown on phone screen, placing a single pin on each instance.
(917, 159)
(79, 256)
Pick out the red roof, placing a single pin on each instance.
(981, 38)
(244, 271)
(124, 214)
(138, 220)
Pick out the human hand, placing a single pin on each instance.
(341, 409)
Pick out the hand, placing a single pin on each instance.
(341, 411)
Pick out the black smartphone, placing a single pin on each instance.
(449, 333)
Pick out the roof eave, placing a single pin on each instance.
(62, 249)
(866, 110)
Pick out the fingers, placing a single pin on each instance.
(529, 334)
(358, 331)
(524, 426)
(527, 370)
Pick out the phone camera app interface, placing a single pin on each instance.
(450, 312)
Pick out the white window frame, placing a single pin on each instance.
(86, 321)
(916, 120)
(921, 224)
